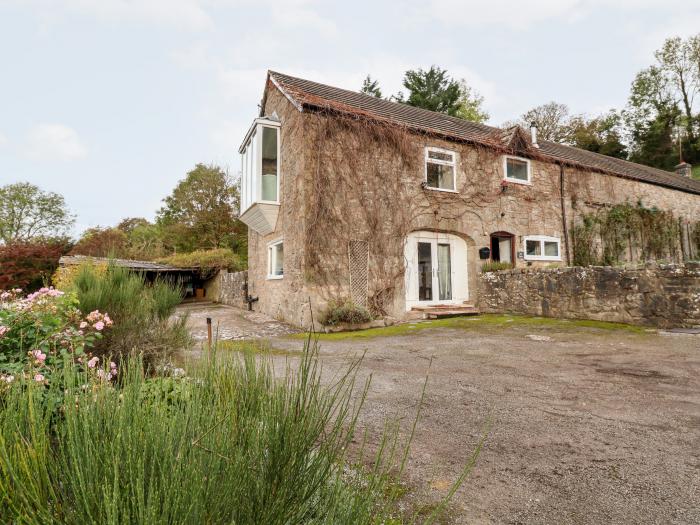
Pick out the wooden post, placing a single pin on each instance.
(209, 331)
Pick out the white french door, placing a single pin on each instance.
(436, 270)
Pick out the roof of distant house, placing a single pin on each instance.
(305, 94)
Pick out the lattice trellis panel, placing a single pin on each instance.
(358, 256)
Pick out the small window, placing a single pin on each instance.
(440, 169)
(517, 170)
(542, 248)
(269, 164)
(275, 260)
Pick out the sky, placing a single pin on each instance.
(111, 102)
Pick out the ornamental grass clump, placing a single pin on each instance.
(232, 443)
(142, 312)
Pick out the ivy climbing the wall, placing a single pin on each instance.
(626, 233)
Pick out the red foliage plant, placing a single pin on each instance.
(29, 265)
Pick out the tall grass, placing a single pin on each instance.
(237, 444)
(141, 312)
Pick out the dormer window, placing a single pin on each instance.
(260, 163)
(516, 169)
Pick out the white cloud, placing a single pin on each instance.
(187, 14)
(3, 141)
(54, 142)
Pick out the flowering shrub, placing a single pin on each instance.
(38, 332)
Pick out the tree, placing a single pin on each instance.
(433, 89)
(102, 242)
(371, 87)
(471, 104)
(551, 120)
(29, 265)
(202, 212)
(27, 213)
(662, 116)
(678, 59)
(650, 117)
(601, 134)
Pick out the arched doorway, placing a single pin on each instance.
(503, 247)
(436, 269)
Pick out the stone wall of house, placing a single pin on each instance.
(284, 299)
(372, 192)
(655, 295)
(231, 288)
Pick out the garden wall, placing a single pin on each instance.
(231, 287)
(663, 296)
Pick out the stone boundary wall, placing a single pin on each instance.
(663, 296)
(232, 288)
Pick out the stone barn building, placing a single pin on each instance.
(397, 208)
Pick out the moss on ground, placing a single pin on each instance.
(257, 346)
(484, 321)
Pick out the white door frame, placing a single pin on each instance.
(458, 263)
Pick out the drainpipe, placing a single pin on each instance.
(563, 213)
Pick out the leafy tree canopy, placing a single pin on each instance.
(202, 212)
(371, 87)
(27, 213)
(433, 89)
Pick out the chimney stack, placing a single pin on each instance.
(684, 169)
(533, 134)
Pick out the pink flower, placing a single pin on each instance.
(93, 362)
(112, 364)
(38, 378)
(39, 356)
(99, 325)
(3, 330)
(7, 379)
(83, 325)
(100, 373)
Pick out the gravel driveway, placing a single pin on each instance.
(588, 425)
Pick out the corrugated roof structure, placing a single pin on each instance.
(308, 95)
(144, 266)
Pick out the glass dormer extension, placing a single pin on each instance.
(260, 163)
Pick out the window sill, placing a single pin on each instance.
(426, 187)
(545, 259)
(516, 181)
(275, 277)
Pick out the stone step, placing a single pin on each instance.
(442, 311)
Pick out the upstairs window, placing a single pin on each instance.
(440, 169)
(275, 264)
(542, 248)
(260, 164)
(516, 170)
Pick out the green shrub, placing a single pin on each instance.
(238, 444)
(344, 311)
(141, 312)
(495, 266)
(213, 259)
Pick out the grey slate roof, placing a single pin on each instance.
(305, 94)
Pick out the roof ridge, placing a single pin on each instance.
(303, 92)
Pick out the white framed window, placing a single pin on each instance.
(542, 248)
(517, 170)
(260, 163)
(440, 169)
(275, 260)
